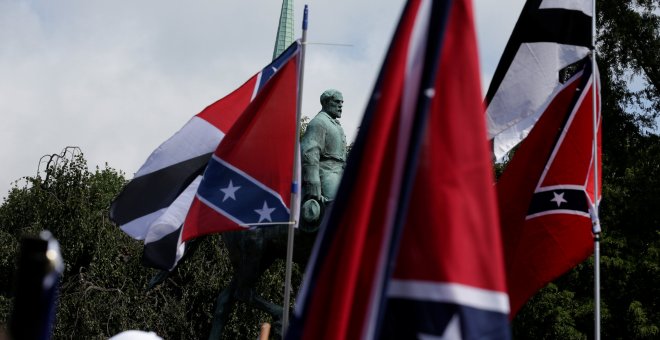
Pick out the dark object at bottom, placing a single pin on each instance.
(37, 278)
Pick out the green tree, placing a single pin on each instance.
(103, 290)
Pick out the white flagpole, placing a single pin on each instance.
(594, 213)
(295, 202)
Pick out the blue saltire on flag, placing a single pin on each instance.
(249, 179)
(238, 196)
(411, 247)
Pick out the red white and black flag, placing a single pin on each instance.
(153, 205)
(411, 247)
(549, 36)
(546, 193)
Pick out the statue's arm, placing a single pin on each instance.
(311, 145)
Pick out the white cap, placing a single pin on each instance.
(136, 335)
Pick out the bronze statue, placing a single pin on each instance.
(323, 149)
(252, 252)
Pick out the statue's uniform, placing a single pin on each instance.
(323, 150)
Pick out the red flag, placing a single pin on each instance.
(346, 269)
(546, 192)
(249, 178)
(449, 278)
(425, 116)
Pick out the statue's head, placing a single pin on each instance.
(332, 102)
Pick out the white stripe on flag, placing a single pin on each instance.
(174, 215)
(450, 293)
(559, 187)
(567, 125)
(196, 138)
(584, 6)
(511, 115)
(256, 86)
(139, 227)
(558, 212)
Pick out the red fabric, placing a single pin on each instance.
(452, 234)
(453, 194)
(262, 141)
(224, 112)
(338, 307)
(261, 144)
(540, 249)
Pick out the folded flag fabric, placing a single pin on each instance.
(153, 205)
(546, 193)
(411, 247)
(549, 36)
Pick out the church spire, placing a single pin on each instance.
(285, 29)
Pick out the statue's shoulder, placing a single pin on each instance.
(321, 117)
(320, 120)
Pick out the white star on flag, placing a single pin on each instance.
(559, 199)
(229, 191)
(264, 213)
(452, 331)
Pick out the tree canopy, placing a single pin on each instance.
(104, 286)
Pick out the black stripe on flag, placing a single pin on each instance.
(157, 190)
(562, 26)
(556, 25)
(559, 199)
(161, 254)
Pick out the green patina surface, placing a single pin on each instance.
(284, 36)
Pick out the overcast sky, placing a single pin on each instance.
(117, 78)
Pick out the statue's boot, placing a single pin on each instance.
(275, 311)
(251, 298)
(158, 279)
(223, 306)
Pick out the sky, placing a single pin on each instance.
(117, 78)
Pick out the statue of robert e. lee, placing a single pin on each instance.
(323, 150)
(252, 252)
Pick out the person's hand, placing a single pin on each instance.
(313, 190)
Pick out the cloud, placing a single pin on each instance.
(118, 78)
(494, 21)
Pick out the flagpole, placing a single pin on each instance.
(295, 193)
(594, 214)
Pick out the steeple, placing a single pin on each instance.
(285, 29)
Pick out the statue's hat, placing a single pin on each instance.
(311, 211)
